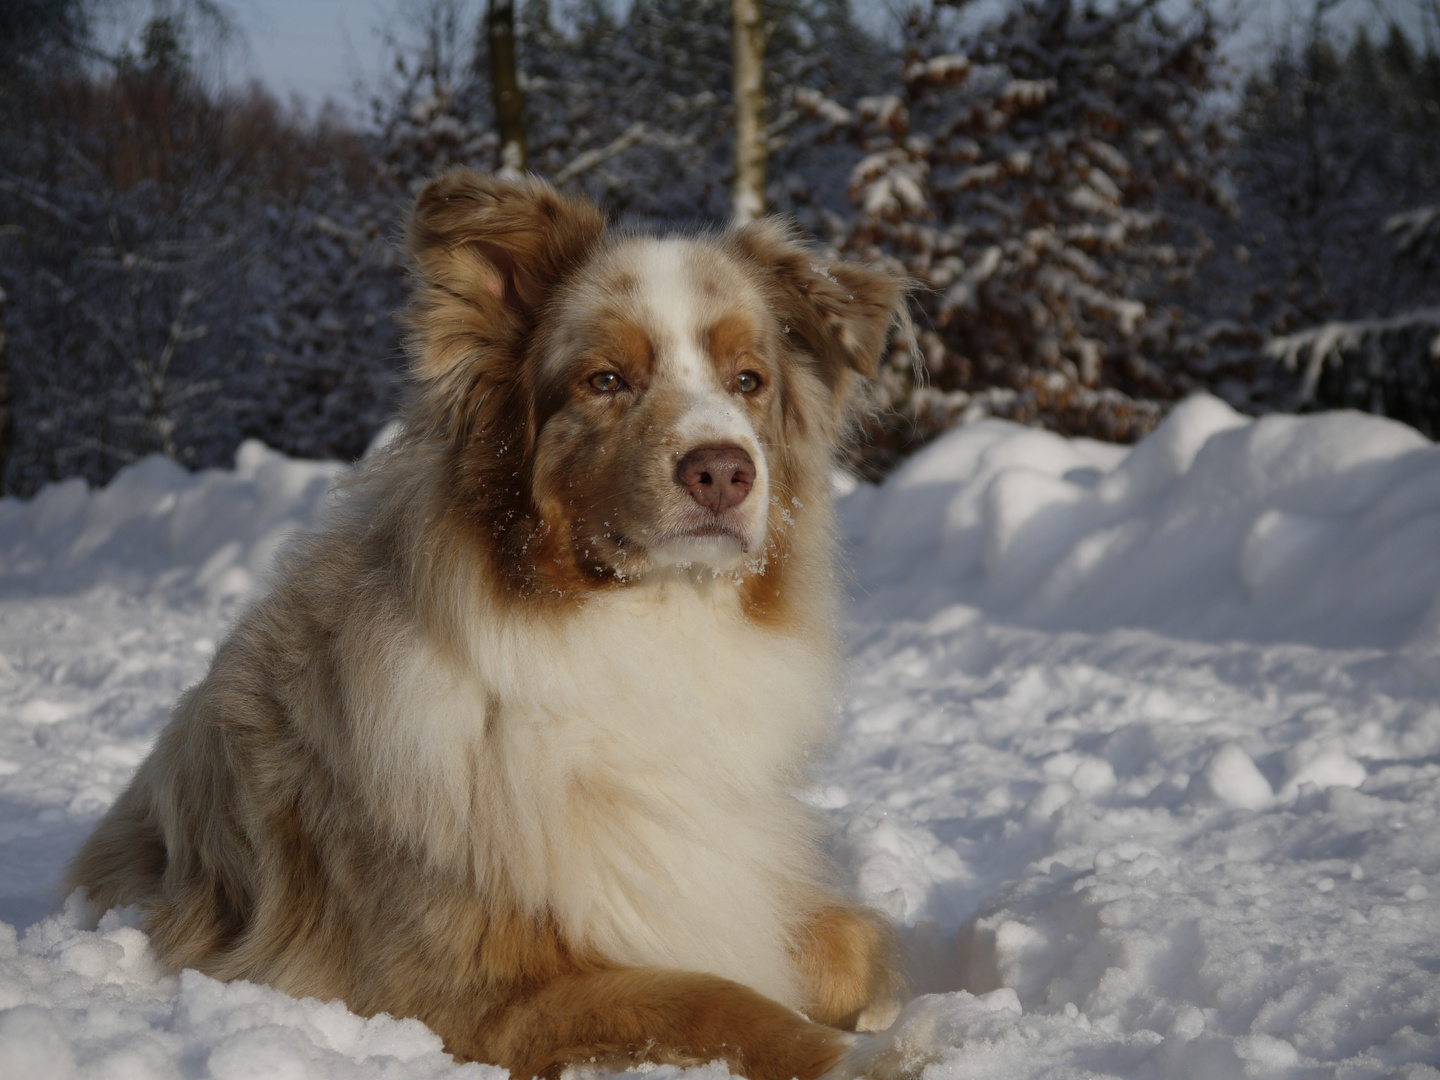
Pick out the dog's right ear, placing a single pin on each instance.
(487, 253)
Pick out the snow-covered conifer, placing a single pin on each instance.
(1026, 177)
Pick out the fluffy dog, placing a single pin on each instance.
(511, 746)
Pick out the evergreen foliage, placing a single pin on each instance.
(1033, 185)
(1337, 169)
(185, 271)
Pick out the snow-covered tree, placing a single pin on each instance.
(1027, 179)
(636, 109)
(33, 32)
(179, 271)
(1387, 364)
(1330, 265)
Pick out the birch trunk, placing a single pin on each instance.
(748, 41)
(505, 88)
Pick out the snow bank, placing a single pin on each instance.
(1185, 860)
(1141, 752)
(75, 1003)
(156, 526)
(1323, 529)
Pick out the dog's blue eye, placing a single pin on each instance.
(747, 382)
(607, 382)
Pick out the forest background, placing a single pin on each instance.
(1100, 211)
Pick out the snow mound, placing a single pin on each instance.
(91, 1003)
(1322, 529)
(156, 526)
(1140, 751)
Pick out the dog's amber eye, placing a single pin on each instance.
(607, 382)
(747, 382)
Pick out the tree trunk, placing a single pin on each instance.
(748, 40)
(7, 414)
(505, 88)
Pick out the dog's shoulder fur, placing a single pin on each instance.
(512, 744)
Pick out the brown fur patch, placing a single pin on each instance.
(847, 956)
(732, 344)
(839, 312)
(624, 1017)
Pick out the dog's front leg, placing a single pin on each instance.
(846, 955)
(619, 1017)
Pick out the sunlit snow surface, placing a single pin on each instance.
(1140, 750)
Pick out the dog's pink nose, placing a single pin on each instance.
(717, 477)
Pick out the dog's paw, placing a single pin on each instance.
(916, 1038)
(878, 1015)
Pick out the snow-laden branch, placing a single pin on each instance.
(1417, 233)
(591, 158)
(1329, 342)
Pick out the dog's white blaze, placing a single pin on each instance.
(712, 417)
(634, 763)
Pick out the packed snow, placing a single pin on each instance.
(1140, 751)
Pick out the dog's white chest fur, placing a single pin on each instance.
(629, 770)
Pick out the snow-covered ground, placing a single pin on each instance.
(1141, 751)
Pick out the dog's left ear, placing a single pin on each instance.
(842, 312)
(487, 254)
